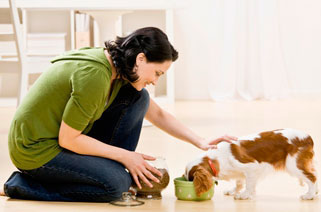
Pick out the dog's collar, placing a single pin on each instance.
(212, 167)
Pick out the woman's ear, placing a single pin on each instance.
(140, 58)
(202, 180)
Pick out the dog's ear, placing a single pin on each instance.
(202, 180)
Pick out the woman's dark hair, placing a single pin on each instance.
(150, 40)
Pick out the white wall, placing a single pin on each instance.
(192, 36)
(301, 38)
(194, 39)
(301, 41)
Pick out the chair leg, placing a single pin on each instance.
(24, 82)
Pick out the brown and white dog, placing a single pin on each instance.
(254, 156)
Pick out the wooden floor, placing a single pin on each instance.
(277, 193)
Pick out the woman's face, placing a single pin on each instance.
(148, 72)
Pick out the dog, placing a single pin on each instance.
(254, 156)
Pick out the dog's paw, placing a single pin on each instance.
(230, 192)
(243, 196)
(308, 196)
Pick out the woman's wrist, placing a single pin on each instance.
(121, 155)
(198, 141)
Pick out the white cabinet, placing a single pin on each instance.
(52, 20)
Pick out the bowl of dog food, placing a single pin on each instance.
(184, 190)
(155, 192)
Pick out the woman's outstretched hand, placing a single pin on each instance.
(206, 144)
(139, 168)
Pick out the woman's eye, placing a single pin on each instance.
(158, 74)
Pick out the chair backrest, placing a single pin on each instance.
(11, 39)
(15, 20)
(11, 33)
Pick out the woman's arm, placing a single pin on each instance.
(73, 140)
(172, 126)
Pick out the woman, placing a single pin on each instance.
(73, 138)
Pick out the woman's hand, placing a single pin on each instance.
(211, 143)
(139, 168)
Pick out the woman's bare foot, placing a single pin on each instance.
(2, 192)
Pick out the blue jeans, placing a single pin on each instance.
(74, 177)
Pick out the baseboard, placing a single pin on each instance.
(306, 93)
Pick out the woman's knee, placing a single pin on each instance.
(144, 95)
(143, 100)
(118, 185)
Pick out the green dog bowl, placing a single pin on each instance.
(184, 190)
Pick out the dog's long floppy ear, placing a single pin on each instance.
(202, 180)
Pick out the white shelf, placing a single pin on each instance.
(8, 102)
(45, 43)
(124, 16)
(36, 65)
(4, 55)
(6, 36)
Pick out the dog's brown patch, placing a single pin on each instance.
(272, 147)
(202, 175)
(202, 180)
(206, 166)
(305, 157)
(191, 173)
(240, 154)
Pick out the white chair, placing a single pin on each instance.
(12, 60)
